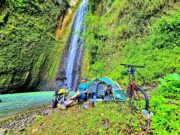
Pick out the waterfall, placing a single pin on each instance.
(75, 50)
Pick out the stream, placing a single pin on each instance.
(20, 102)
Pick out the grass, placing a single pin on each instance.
(140, 33)
(115, 118)
(105, 118)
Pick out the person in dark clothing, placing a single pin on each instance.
(108, 91)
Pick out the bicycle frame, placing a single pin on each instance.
(132, 83)
(134, 92)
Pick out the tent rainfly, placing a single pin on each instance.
(99, 85)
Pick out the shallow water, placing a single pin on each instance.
(17, 103)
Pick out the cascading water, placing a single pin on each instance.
(73, 57)
(13, 104)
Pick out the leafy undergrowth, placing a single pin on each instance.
(165, 105)
(105, 118)
(134, 32)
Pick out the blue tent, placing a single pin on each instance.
(99, 85)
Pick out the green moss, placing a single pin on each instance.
(140, 33)
(27, 40)
(134, 32)
(56, 56)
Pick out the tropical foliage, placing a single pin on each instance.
(165, 104)
(27, 41)
(140, 33)
(134, 32)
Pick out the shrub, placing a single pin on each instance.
(165, 106)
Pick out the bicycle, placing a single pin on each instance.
(138, 97)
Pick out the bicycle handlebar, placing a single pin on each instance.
(128, 65)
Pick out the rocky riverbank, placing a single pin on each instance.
(21, 121)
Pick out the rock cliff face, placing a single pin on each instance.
(26, 41)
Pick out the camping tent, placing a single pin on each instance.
(98, 86)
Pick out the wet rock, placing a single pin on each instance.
(23, 120)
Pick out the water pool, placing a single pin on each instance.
(17, 103)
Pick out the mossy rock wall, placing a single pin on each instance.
(26, 41)
(139, 32)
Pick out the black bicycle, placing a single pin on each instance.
(138, 98)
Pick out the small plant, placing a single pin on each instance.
(38, 118)
(165, 105)
(170, 86)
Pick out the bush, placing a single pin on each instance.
(165, 106)
(169, 86)
(144, 35)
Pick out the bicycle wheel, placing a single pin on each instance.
(139, 101)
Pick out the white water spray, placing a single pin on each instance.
(74, 54)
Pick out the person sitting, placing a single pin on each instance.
(108, 91)
(80, 94)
